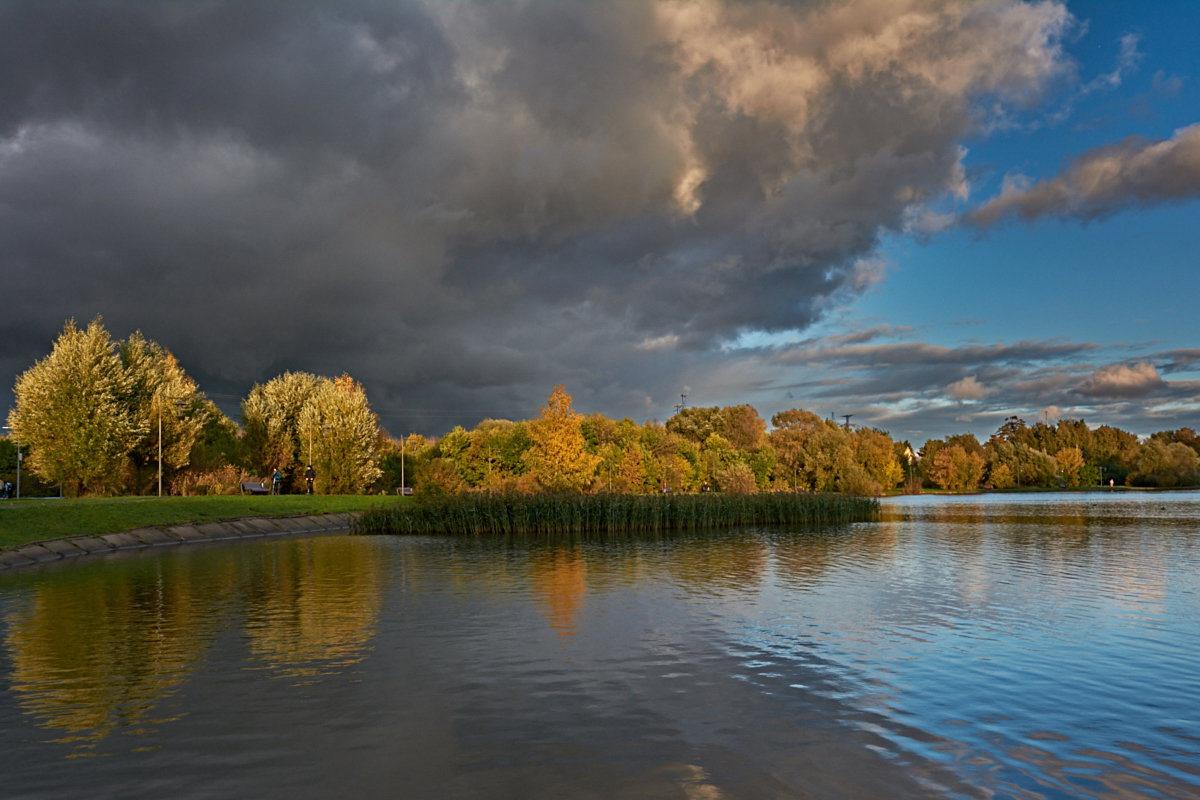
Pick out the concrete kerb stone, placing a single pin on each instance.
(90, 544)
(156, 537)
(122, 541)
(14, 558)
(186, 533)
(218, 531)
(65, 548)
(38, 553)
(243, 528)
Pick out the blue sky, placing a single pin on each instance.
(1121, 284)
(930, 214)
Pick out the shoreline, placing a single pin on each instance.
(68, 547)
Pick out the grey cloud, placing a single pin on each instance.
(923, 353)
(1106, 180)
(1122, 381)
(462, 204)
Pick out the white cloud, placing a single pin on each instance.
(969, 388)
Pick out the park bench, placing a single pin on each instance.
(250, 487)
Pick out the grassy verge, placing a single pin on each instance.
(480, 514)
(24, 521)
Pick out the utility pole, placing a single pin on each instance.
(847, 418)
(682, 404)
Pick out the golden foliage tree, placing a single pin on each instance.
(296, 419)
(557, 457)
(73, 410)
(1070, 462)
(346, 448)
(161, 394)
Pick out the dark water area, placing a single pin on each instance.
(1038, 646)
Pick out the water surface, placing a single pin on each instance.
(994, 646)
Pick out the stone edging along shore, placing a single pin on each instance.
(244, 528)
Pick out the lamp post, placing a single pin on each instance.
(18, 441)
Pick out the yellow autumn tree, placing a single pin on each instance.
(1070, 462)
(558, 459)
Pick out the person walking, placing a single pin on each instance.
(309, 476)
(276, 481)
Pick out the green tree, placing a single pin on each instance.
(876, 454)
(557, 458)
(790, 433)
(73, 410)
(1166, 465)
(696, 423)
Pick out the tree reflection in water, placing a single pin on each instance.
(99, 647)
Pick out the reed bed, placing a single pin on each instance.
(552, 514)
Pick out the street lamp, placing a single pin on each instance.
(18, 441)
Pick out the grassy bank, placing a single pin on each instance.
(24, 521)
(481, 514)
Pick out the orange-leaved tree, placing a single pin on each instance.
(557, 458)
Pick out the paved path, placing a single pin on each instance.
(246, 528)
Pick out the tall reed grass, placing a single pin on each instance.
(517, 514)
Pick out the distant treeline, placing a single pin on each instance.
(94, 416)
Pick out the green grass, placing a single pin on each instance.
(481, 514)
(31, 520)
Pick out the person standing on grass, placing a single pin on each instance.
(276, 481)
(309, 476)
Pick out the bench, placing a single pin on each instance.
(405, 491)
(249, 487)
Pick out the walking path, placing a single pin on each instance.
(246, 528)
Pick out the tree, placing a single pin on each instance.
(346, 450)
(742, 426)
(297, 418)
(827, 455)
(876, 453)
(1070, 462)
(696, 423)
(956, 470)
(737, 478)
(74, 412)
(791, 432)
(1166, 465)
(493, 458)
(557, 458)
(271, 421)
(173, 413)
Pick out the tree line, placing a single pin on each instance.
(92, 416)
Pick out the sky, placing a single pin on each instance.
(931, 215)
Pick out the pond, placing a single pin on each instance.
(1029, 646)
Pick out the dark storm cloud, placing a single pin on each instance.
(463, 204)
